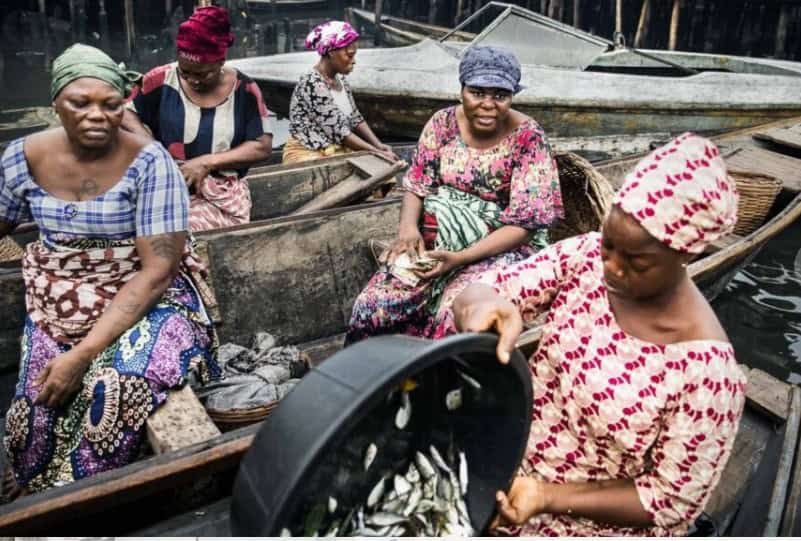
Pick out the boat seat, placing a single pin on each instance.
(180, 422)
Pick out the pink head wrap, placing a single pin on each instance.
(681, 194)
(329, 36)
(205, 36)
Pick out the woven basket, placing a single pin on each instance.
(586, 194)
(236, 418)
(757, 194)
(9, 249)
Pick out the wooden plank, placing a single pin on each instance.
(723, 243)
(790, 137)
(370, 165)
(180, 422)
(111, 489)
(746, 455)
(769, 394)
(759, 160)
(778, 497)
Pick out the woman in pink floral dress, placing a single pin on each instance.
(637, 393)
(480, 194)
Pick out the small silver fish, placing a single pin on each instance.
(453, 400)
(412, 475)
(370, 455)
(333, 529)
(414, 500)
(463, 478)
(404, 412)
(376, 493)
(424, 466)
(470, 381)
(402, 486)
(332, 505)
(430, 487)
(438, 460)
(444, 489)
(285, 532)
(385, 519)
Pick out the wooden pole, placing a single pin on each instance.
(459, 10)
(674, 25)
(781, 31)
(577, 13)
(642, 26)
(544, 7)
(555, 9)
(619, 16)
(379, 7)
(432, 12)
(130, 27)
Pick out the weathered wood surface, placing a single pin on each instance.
(768, 393)
(355, 187)
(751, 158)
(790, 137)
(181, 421)
(112, 489)
(778, 497)
(298, 279)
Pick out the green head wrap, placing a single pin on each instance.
(85, 61)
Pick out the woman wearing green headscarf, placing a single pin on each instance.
(114, 318)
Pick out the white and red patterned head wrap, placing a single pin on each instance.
(681, 194)
(329, 36)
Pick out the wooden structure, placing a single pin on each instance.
(395, 31)
(303, 273)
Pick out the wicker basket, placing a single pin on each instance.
(586, 193)
(9, 249)
(757, 194)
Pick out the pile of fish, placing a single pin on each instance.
(423, 496)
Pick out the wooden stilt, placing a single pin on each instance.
(577, 13)
(642, 26)
(674, 25)
(554, 9)
(379, 7)
(130, 27)
(432, 12)
(781, 31)
(544, 7)
(459, 9)
(618, 18)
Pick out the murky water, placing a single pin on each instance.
(761, 309)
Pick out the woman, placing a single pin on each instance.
(323, 118)
(210, 117)
(637, 393)
(114, 315)
(482, 187)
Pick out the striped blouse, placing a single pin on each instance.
(151, 198)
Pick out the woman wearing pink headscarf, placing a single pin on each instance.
(323, 118)
(637, 393)
(210, 117)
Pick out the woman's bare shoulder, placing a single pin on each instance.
(44, 143)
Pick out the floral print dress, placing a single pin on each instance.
(519, 174)
(608, 405)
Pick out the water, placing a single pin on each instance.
(761, 308)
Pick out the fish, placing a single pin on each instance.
(385, 519)
(463, 478)
(412, 475)
(332, 505)
(402, 486)
(404, 412)
(414, 500)
(285, 532)
(424, 466)
(376, 493)
(369, 456)
(333, 529)
(470, 381)
(453, 400)
(438, 460)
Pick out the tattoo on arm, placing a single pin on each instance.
(164, 247)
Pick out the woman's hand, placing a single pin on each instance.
(409, 241)
(60, 378)
(527, 498)
(387, 152)
(195, 170)
(447, 262)
(479, 308)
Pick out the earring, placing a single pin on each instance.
(684, 265)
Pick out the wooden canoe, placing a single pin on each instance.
(297, 277)
(576, 83)
(398, 31)
(279, 190)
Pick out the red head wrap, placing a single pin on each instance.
(205, 36)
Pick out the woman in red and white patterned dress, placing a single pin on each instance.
(637, 393)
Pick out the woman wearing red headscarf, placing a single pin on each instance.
(210, 117)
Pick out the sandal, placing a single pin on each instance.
(9, 489)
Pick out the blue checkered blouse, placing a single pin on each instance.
(151, 198)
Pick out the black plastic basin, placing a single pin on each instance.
(308, 448)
